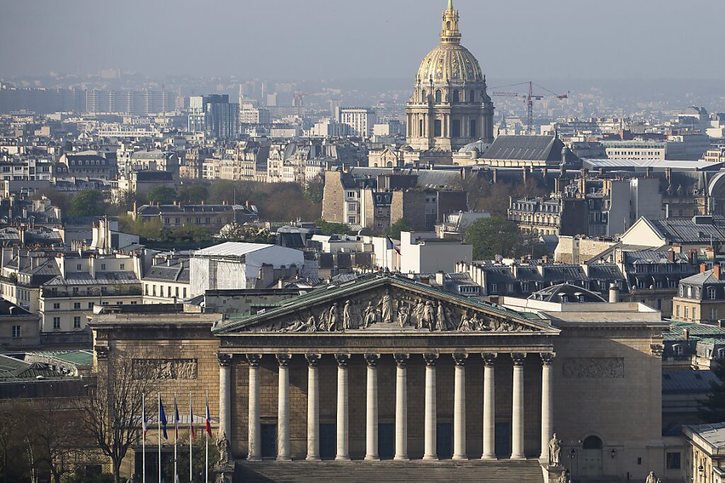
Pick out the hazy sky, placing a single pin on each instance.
(345, 39)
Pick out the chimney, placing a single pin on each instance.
(686, 333)
(716, 270)
(613, 293)
(440, 278)
(703, 267)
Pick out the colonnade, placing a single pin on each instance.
(401, 406)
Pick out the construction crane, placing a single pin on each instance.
(529, 99)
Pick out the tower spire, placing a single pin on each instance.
(449, 32)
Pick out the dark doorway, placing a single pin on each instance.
(269, 440)
(503, 439)
(328, 441)
(386, 440)
(444, 441)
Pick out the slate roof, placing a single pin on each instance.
(677, 230)
(177, 271)
(101, 278)
(528, 148)
(707, 277)
(687, 381)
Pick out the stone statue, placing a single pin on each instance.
(347, 316)
(465, 323)
(369, 315)
(311, 323)
(332, 318)
(441, 316)
(554, 451)
(419, 314)
(429, 316)
(652, 478)
(386, 308)
(403, 315)
(222, 445)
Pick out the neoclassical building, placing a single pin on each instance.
(450, 107)
(387, 371)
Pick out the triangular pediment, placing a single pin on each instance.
(385, 304)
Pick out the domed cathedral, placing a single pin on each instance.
(449, 107)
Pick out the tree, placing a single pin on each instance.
(193, 194)
(712, 409)
(161, 194)
(53, 433)
(395, 229)
(327, 228)
(111, 415)
(87, 203)
(494, 236)
(315, 189)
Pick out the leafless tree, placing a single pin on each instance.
(53, 430)
(111, 415)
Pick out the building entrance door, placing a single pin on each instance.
(591, 461)
(269, 440)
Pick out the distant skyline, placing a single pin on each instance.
(371, 39)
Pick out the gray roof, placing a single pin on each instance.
(528, 148)
(565, 291)
(706, 277)
(177, 271)
(101, 278)
(677, 230)
(687, 381)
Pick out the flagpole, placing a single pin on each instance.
(143, 444)
(206, 442)
(176, 435)
(191, 440)
(159, 425)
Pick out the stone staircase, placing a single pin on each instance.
(385, 471)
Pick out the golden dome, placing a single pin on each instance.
(450, 62)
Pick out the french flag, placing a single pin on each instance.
(176, 420)
(391, 245)
(208, 419)
(191, 419)
(162, 418)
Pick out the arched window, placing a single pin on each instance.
(592, 442)
(424, 96)
(456, 97)
(471, 96)
(448, 25)
(439, 96)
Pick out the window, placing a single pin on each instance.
(90, 305)
(56, 323)
(438, 128)
(75, 290)
(184, 292)
(712, 293)
(673, 461)
(677, 311)
(76, 322)
(439, 96)
(56, 306)
(455, 128)
(123, 266)
(472, 131)
(78, 267)
(76, 305)
(16, 331)
(687, 312)
(103, 266)
(471, 97)
(456, 97)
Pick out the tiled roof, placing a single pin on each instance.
(687, 381)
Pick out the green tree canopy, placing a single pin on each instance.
(395, 229)
(494, 236)
(161, 194)
(712, 409)
(193, 194)
(327, 228)
(87, 203)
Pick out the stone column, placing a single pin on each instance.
(371, 421)
(431, 452)
(401, 407)
(283, 451)
(225, 395)
(253, 422)
(313, 408)
(459, 407)
(343, 452)
(489, 407)
(517, 420)
(547, 405)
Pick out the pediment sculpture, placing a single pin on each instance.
(387, 309)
